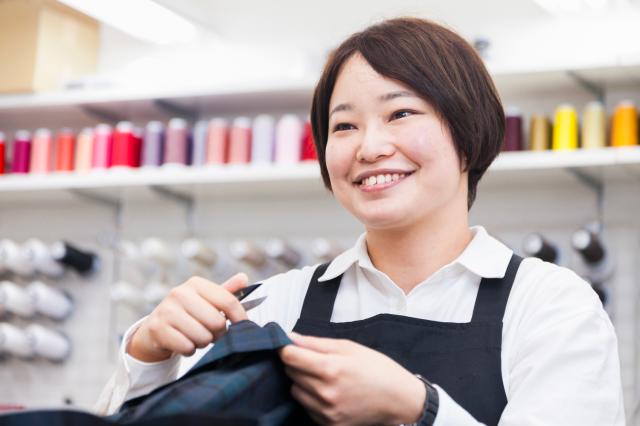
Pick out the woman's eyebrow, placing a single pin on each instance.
(383, 98)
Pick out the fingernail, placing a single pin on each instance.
(294, 336)
(241, 275)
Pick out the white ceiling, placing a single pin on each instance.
(321, 24)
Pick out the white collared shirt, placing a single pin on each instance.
(560, 362)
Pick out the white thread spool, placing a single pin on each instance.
(15, 259)
(325, 250)
(49, 301)
(48, 344)
(279, 250)
(157, 250)
(199, 252)
(155, 292)
(289, 139)
(40, 257)
(200, 136)
(15, 341)
(127, 293)
(262, 144)
(248, 253)
(16, 300)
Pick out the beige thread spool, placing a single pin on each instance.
(594, 121)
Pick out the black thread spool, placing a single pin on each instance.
(537, 246)
(588, 244)
(82, 261)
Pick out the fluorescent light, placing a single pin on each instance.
(143, 19)
(562, 7)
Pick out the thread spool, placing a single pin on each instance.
(199, 152)
(41, 150)
(48, 344)
(16, 299)
(157, 251)
(513, 130)
(288, 139)
(155, 292)
(153, 147)
(263, 139)
(588, 244)
(565, 128)
(81, 261)
(197, 251)
(240, 141)
(594, 124)
(15, 341)
(50, 302)
(127, 293)
(3, 143)
(102, 147)
(64, 151)
(248, 253)
(21, 152)
(176, 142)
(279, 250)
(324, 249)
(218, 141)
(125, 150)
(539, 133)
(308, 147)
(14, 258)
(624, 126)
(84, 150)
(39, 255)
(536, 245)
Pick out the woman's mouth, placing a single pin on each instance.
(382, 181)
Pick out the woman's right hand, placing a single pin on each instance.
(192, 315)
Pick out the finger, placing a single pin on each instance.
(310, 402)
(222, 299)
(201, 310)
(174, 341)
(236, 282)
(318, 344)
(192, 329)
(308, 382)
(303, 359)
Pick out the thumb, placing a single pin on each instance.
(236, 282)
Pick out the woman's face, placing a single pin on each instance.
(391, 160)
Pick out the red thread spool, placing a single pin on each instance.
(308, 148)
(122, 154)
(65, 149)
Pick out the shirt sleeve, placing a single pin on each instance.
(565, 368)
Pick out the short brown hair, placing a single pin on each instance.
(442, 68)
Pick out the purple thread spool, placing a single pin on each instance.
(21, 152)
(513, 130)
(176, 147)
(153, 147)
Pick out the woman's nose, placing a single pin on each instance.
(375, 144)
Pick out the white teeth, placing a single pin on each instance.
(387, 178)
(395, 177)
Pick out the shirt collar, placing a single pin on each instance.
(484, 256)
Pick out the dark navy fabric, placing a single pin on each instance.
(462, 358)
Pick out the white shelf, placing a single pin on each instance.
(511, 168)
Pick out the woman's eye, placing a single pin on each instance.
(342, 126)
(401, 114)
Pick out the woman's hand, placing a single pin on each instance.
(192, 315)
(341, 382)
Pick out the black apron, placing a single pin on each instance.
(462, 358)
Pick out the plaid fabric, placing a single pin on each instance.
(240, 378)
(240, 381)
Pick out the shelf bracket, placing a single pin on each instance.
(595, 89)
(597, 187)
(101, 114)
(174, 109)
(186, 200)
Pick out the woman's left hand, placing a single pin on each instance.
(341, 382)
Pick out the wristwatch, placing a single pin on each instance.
(430, 409)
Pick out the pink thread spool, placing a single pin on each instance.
(21, 152)
(102, 147)
(218, 141)
(176, 142)
(240, 141)
(289, 132)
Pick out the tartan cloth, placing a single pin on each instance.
(239, 381)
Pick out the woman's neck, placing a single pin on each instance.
(411, 255)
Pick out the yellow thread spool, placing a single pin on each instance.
(594, 125)
(565, 128)
(539, 133)
(624, 126)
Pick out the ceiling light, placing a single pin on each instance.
(143, 19)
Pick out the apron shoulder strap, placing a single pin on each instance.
(493, 294)
(321, 296)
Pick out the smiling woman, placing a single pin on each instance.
(425, 319)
